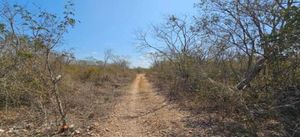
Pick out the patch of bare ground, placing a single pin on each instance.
(143, 113)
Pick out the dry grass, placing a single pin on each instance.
(87, 104)
(216, 111)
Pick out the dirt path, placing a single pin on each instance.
(143, 113)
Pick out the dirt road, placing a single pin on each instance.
(143, 113)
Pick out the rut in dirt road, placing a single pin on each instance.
(143, 113)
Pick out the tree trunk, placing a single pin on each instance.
(55, 81)
(251, 74)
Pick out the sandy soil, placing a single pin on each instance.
(143, 113)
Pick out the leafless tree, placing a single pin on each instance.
(244, 26)
(108, 55)
(176, 40)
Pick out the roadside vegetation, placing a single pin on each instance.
(235, 66)
(45, 91)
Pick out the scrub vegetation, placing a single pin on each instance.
(235, 66)
(230, 70)
(44, 91)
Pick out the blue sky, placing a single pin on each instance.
(111, 24)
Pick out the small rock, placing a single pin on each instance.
(77, 132)
(11, 130)
(96, 124)
(1, 130)
(24, 130)
(90, 134)
(71, 127)
(106, 129)
(89, 128)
